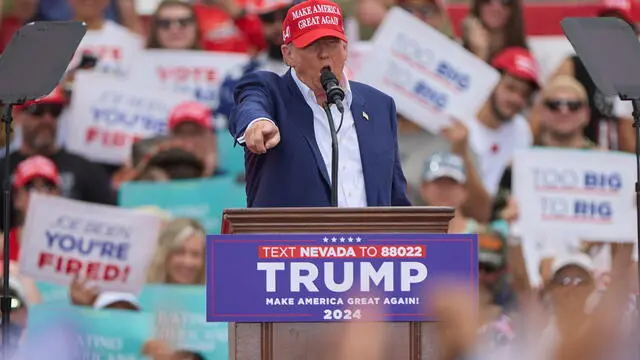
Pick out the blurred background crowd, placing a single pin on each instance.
(568, 297)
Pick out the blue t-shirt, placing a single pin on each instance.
(59, 10)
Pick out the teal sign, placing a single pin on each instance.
(180, 312)
(87, 333)
(201, 199)
(175, 314)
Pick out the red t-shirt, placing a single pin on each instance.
(219, 32)
(8, 26)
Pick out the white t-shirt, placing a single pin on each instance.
(495, 147)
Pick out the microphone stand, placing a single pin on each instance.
(334, 156)
(5, 303)
(636, 125)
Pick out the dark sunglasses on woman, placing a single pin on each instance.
(557, 104)
(181, 22)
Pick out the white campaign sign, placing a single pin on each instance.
(587, 194)
(108, 245)
(116, 48)
(107, 115)
(359, 53)
(196, 73)
(430, 76)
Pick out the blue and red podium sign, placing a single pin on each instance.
(333, 277)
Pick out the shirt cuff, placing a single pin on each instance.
(241, 138)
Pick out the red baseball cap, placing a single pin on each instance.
(190, 111)
(624, 8)
(311, 20)
(517, 62)
(35, 167)
(55, 97)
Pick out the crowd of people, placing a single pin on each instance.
(580, 303)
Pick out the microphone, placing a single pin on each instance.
(335, 95)
(334, 92)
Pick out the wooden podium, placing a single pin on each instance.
(296, 341)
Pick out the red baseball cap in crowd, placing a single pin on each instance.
(311, 20)
(517, 62)
(55, 97)
(36, 167)
(623, 8)
(190, 111)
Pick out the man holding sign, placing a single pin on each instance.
(281, 121)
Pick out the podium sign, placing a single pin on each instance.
(333, 277)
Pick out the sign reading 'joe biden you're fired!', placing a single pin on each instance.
(333, 277)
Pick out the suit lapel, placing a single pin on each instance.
(303, 119)
(366, 142)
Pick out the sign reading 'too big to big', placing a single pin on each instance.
(585, 193)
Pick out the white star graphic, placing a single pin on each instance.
(325, 239)
(333, 239)
(358, 239)
(350, 239)
(341, 239)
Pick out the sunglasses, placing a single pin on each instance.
(557, 104)
(273, 16)
(566, 281)
(45, 185)
(167, 23)
(487, 268)
(502, 2)
(41, 109)
(15, 304)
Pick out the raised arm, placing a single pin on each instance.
(252, 121)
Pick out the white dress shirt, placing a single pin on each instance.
(351, 189)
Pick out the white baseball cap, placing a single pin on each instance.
(111, 297)
(444, 165)
(580, 260)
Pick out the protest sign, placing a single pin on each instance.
(115, 47)
(90, 334)
(588, 194)
(180, 319)
(359, 53)
(53, 294)
(430, 76)
(107, 115)
(202, 199)
(331, 277)
(108, 245)
(198, 74)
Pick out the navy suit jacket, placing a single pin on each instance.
(293, 174)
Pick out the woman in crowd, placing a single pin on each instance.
(180, 256)
(493, 25)
(173, 26)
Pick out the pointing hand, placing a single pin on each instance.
(261, 136)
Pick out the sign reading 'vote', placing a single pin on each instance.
(324, 278)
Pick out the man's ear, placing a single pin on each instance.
(287, 55)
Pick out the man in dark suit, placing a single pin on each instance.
(281, 122)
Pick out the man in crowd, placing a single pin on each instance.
(369, 171)
(564, 114)
(610, 124)
(270, 59)
(35, 174)
(80, 179)
(500, 129)
(192, 122)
